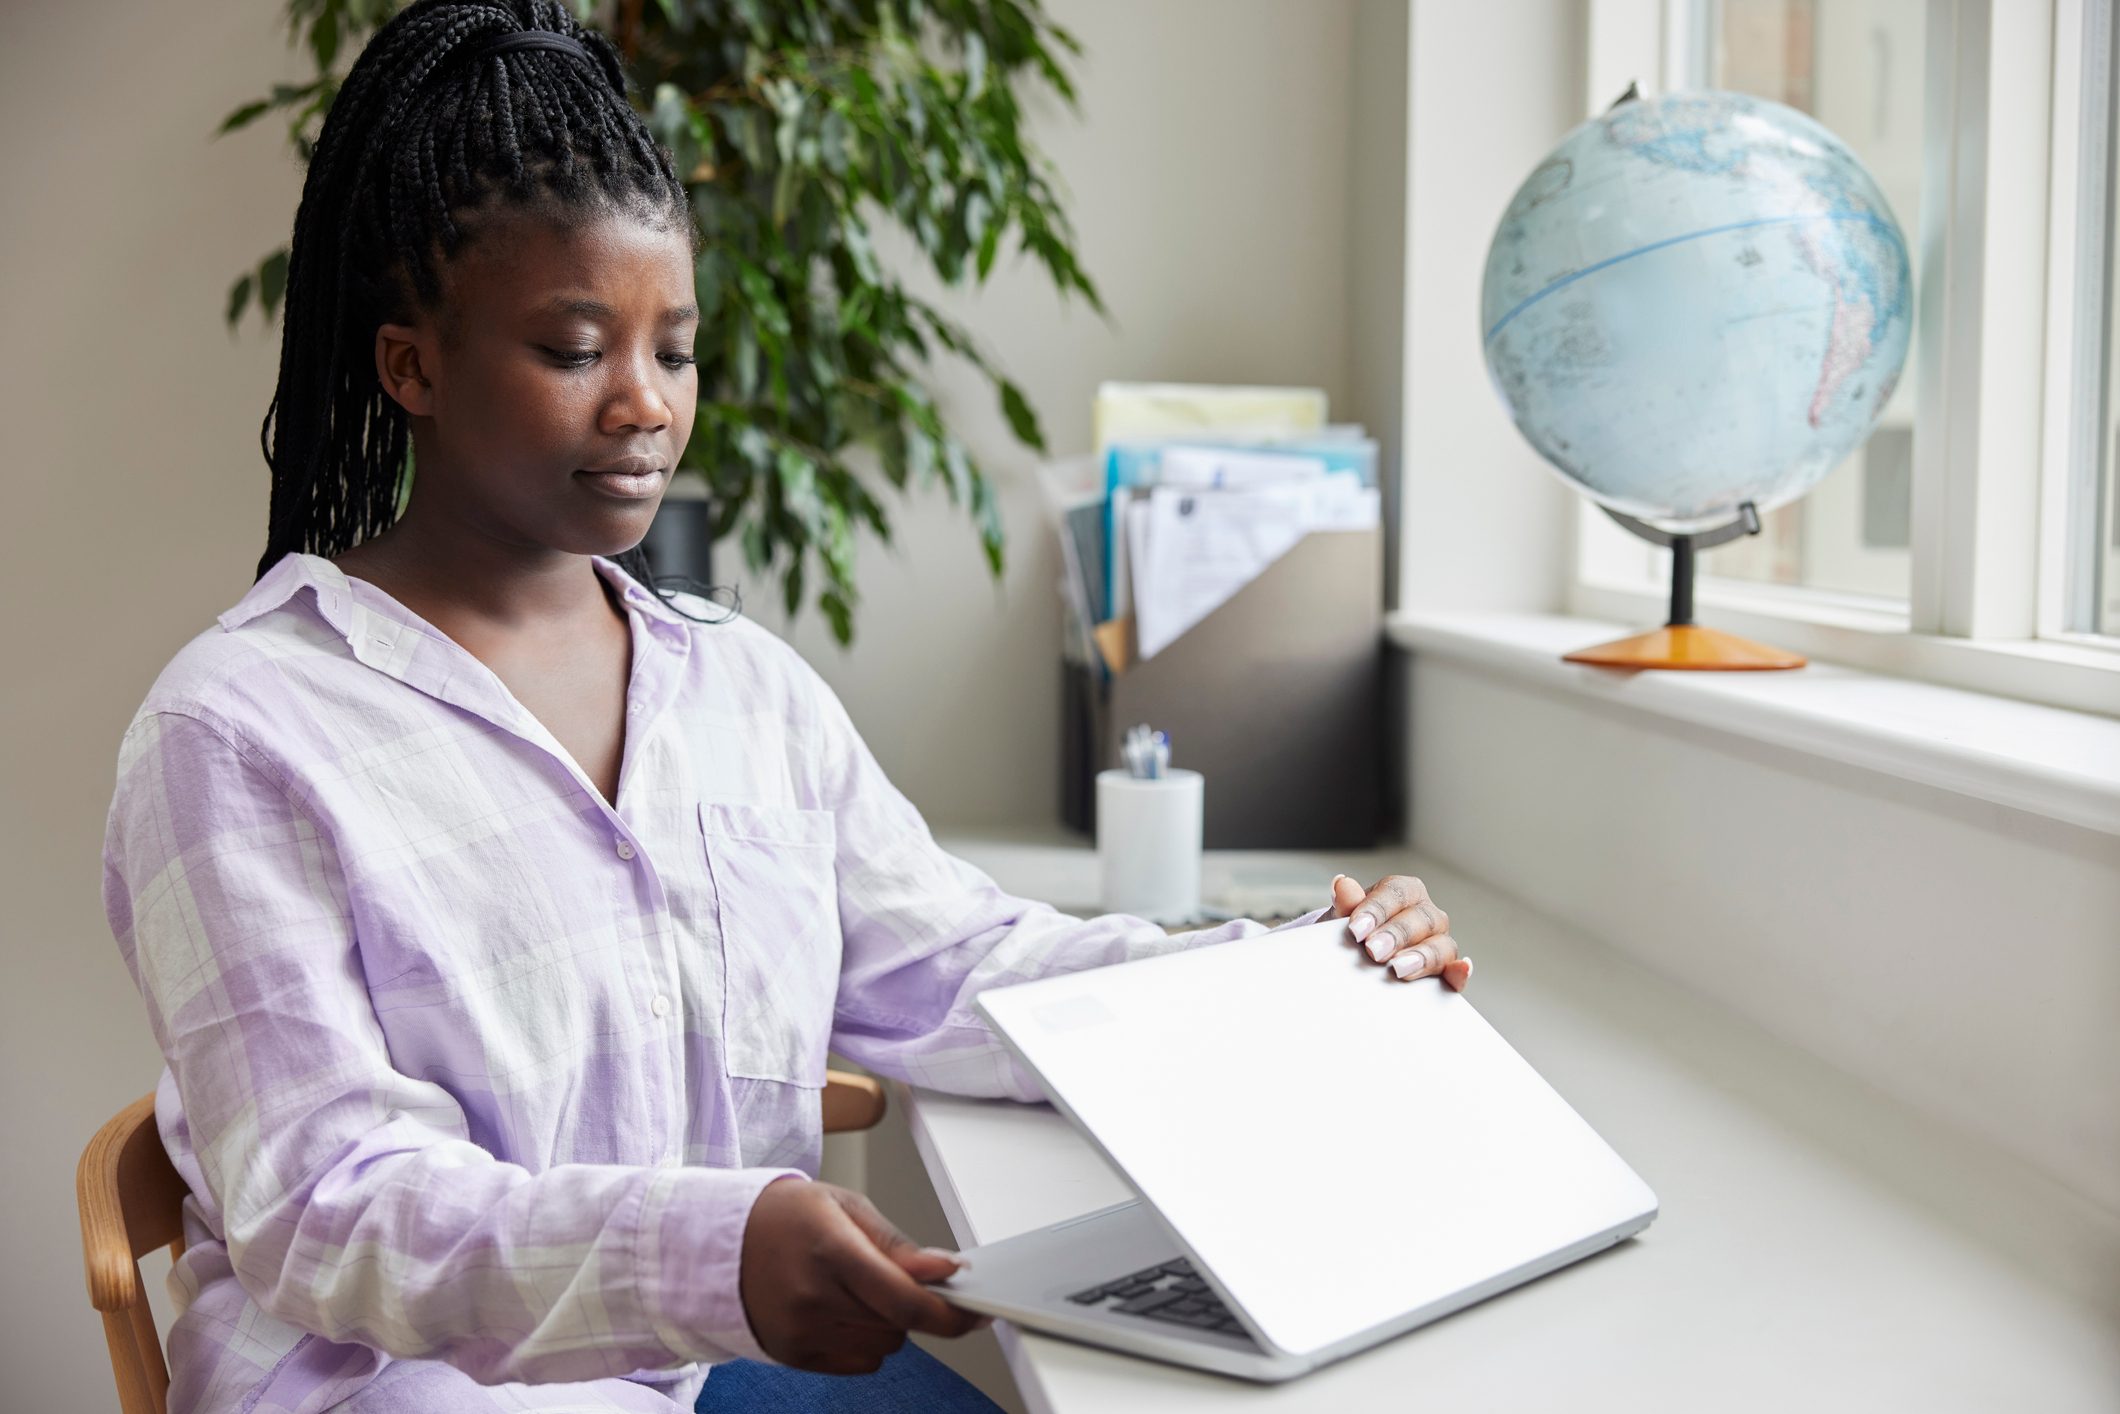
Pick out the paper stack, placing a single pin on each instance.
(1192, 493)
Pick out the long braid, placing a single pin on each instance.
(428, 134)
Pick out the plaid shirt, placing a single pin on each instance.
(473, 1076)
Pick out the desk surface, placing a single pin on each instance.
(1819, 1247)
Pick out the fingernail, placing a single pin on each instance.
(1332, 890)
(1468, 967)
(1361, 925)
(946, 1255)
(1406, 964)
(1379, 948)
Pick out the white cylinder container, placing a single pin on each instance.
(1148, 843)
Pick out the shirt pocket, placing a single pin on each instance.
(777, 900)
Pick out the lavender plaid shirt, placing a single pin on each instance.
(473, 1077)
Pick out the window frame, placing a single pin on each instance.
(2086, 221)
(1997, 453)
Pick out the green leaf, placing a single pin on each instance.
(839, 544)
(798, 488)
(835, 139)
(324, 38)
(974, 65)
(238, 298)
(667, 115)
(1022, 419)
(986, 511)
(744, 359)
(919, 454)
(989, 247)
(840, 614)
(766, 308)
(959, 467)
(893, 453)
(272, 282)
(854, 237)
(244, 116)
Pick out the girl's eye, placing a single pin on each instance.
(582, 358)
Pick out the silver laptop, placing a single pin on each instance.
(1325, 1157)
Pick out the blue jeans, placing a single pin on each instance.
(911, 1381)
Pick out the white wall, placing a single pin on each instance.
(1208, 177)
(135, 509)
(1483, 523)
(1956, 955)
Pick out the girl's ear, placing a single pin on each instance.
(403, 355)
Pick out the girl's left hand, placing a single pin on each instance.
(1398, 925)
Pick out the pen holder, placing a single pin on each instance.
(1148, 844)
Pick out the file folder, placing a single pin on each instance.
(1275, 697)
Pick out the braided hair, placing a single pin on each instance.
(456, 109)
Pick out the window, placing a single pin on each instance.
(1975, 539)
(1856, 66)
(2093, 505)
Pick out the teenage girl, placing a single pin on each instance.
(494, 910)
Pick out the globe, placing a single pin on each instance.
(1696, 301)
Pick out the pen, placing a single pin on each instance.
(1146, 753)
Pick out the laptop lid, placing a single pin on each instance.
(1339, 1148)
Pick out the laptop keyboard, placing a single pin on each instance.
(1171, 1292)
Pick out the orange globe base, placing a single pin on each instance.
(1687, 646)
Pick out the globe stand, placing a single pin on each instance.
(1682, 643)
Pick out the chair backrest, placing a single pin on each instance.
(132, 1202)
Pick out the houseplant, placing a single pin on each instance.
(799, 125)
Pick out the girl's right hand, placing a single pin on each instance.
(829, 1285)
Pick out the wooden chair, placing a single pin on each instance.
(131, 1203)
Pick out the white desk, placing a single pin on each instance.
(1819, 1247)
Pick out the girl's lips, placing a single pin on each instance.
(624, 485)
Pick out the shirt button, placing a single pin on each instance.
(669, 1163)
(660, 1006)
(625, 849)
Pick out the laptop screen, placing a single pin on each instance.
(1340, 1150)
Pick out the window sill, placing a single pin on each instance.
(2060, 764)
(1869, 635)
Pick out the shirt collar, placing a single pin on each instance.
(335, 600)
(280, 583)
(642, 597)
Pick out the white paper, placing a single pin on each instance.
(1236, 468)
(1191, 550)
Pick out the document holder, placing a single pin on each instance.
(1275, 697)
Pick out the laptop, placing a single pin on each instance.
(1323, 1157)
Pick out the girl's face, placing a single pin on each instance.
(554, 392)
